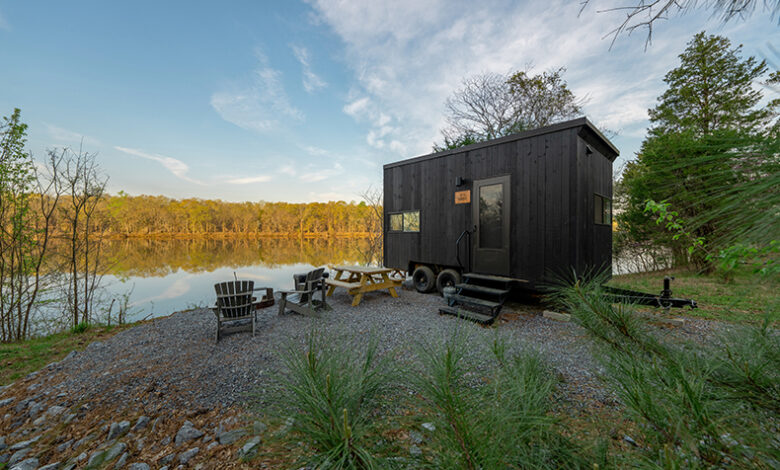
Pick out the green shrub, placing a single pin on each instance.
(698, 406)
(498, 421)
(330, 390)
(80, 328)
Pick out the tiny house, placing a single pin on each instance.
(526, 207)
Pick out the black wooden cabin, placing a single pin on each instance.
(529, 206)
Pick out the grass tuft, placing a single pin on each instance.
(330, 390)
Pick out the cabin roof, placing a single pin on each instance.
(579, 122)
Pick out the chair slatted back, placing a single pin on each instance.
(313, 277)
(234, 298)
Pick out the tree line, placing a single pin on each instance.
(126, 215)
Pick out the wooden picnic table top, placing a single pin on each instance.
(362, 269)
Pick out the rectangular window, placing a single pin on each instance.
(602, 210)
(396, 222)
(405, 221)
(412, 221)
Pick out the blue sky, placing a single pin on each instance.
(305, 101)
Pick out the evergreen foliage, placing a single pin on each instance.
(712, 154)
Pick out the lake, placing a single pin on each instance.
(164, 276)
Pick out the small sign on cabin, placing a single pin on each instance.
(463, 197)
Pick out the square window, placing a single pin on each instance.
(412, 221)
(396, 222)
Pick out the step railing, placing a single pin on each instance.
(466, 233)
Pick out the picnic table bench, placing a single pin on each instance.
(361, 279)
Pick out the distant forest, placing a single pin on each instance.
(123, 215)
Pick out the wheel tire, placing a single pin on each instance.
(423, 279)
(447, 278)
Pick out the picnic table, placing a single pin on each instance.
(361, 279)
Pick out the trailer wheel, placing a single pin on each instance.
(447, 278)
(423, 279)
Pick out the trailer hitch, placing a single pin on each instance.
(664, 300)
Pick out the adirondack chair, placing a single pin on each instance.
(235, 302)
(301, 300)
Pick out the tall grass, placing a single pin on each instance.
(698, 406)
(499, 420)
(330, 391)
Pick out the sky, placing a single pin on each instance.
(306, 100)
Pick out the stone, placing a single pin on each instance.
(40, 421)
(258, 427)
(115, 451)
(155, 423)
(118, 429)
(4, 458)
(64, 446)
(140, 444)
(212, 445)
(206, 439)
(186, 456)
(628, 440)
(229, 437)
(430, 427)
(29, 464)
(35, 409)
(187, 433)
(164, 467)
(415, 451)
(167, 459)
(556, 315)
(166, 440)
(83, 440)
(122, 461)
(3, 445)
(415, 437)
(55, 411)
(68, 418)
(250, 448)
(81, 457)
(141, 424)
(18, 456)
(69, 466)
(70, 355)
(24, 444)
(6, 401)
(97, 458)
(138, 466)
(51, 466)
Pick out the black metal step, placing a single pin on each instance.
(474, 301)
(482, 289)
(467, 314)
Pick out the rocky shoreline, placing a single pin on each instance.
(164, 395)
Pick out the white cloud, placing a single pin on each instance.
(64, 135)
(357, 108)
(408, 56)
(177, 167)
(311, 81)
(311, 174)
(250, 179)
(257, 104)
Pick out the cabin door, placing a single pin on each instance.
(491, 216)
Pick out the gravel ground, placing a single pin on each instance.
(173, 362)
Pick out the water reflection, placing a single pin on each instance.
(163, 276)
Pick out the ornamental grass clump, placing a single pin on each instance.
(330, 390)
(697, 406)
(497, 418)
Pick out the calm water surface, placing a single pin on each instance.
(164, 276)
